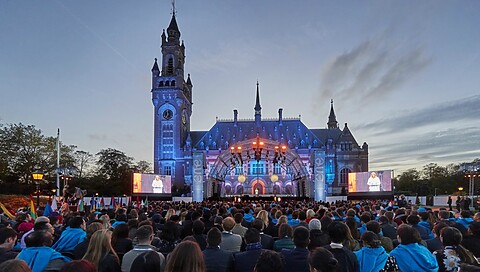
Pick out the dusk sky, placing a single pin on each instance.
(404, 75)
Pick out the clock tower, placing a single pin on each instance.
(172, 103)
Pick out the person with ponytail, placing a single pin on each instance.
(373, 257)
(453, 255)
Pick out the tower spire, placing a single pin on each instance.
(332, 119)
(258, 108)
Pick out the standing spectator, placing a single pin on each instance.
(239, 229)
(101, 253)
(322, 260)
(71, 236)
(245, 261)
(347, 261)
(409, 254)
(216, 259)
(8, 239)
(186, 257)
(230, 242)
(453, 254)
(449, 202)
(145, 238)
(285, 234)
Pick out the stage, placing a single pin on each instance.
(258, 197)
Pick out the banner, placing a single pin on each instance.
(319, 175)
(198, 163)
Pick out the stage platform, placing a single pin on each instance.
(264, 197)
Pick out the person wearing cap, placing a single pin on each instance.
(318, 238)
(40, 219)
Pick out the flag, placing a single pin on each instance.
(54, 204)
(48, 210)
(81, 207)
(6, 211)
(138, 201)
(92, 204)
(112, 203)
(33, 211)
(102, 203)
(146, 201)
(142, 204)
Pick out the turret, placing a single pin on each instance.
(332, 119)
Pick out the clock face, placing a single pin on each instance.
(167, 114)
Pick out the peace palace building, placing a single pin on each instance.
(279, 156)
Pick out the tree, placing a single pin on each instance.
(83, 159)
(114, 170)
(143, 167)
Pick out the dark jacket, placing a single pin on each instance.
(109, 264)
(123, 245)
(318, 238)
(245, 261)
(267, 241)
(6, 255)
(296, 259)
(201, 240)
(80, 250)
(472, 243)
(347, 261)
(434, 244)
(217, 260)
(389, 231)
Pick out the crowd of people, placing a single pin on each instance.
(255, 235)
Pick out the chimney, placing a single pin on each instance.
(235, 115)
(280, 117)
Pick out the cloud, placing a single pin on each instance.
(465, 109)
(371, 69)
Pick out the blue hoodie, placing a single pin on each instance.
(38, 258)
(371, 259)
(69, 239)
(414, 258)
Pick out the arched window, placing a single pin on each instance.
(173, 83)
(170, 66)
(344, 175)
(167, 83)
(161, 84)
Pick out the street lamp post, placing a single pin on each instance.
(37, 178)
(471, 186)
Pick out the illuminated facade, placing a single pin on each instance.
(175, 144)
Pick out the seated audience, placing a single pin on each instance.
(409, 254)
(322, 260)
(148, 261)
(453, 254)
(8, 239)
(81, 248)
(347, 261)
(14, 265)
(296, 259)
(230, 242)
(269, 261)
(471, 241)
(285, 234)
(318, 238)
(101, 253)
(71, 236)
(39, 255)
(79, 266)
(216, 259)
(245, 261)
(144, 238)
(186, 257)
